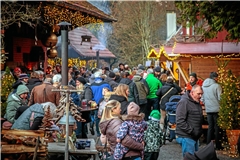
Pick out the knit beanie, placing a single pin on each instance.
(82, 80)
(22, 89)
(23, 76)
(139, 71)
(111, 75)
(213, 75)
(133, 109)
(157, 69)
(149, 71)
(194, 75)
(115, 70)
(155, 115)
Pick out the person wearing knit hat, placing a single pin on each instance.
(155, 115)
(15, 101)
(23, 77)
(16, 72)
(192, 81)
(211, 99)
(115, 70)
(81, 80)
(22, 80)
(213, 75)
(133, 125)
(112, 75)
(157, 71)
(153, 136)
(133, 109)
(111, 80)
(23, 122)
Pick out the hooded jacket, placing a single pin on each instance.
(32, 82)
(164, 90)
(14, 102)
(211, 95)
(122, 100)
(142, 87)
(133, 92)
(111, 82)
(188, 118)
(154, 84)
(23, 121)
(110, 128)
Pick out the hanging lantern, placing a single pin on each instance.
(52, 53)
(50, 41)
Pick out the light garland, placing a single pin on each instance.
(54, 15)
(163, 51)
(73, 62)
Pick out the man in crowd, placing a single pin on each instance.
(192, 81)
(211, 99)
(43, 93)
(189, 120)
(154, 84)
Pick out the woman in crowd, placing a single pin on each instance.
(109, 125)
(121, 95)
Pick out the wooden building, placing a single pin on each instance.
(196, 54)
(24, 43)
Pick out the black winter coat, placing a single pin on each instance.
(162, 91)
(189, 118)
(122, 100)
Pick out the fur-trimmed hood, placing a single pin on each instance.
(138, 117)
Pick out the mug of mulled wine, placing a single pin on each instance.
(84, 103)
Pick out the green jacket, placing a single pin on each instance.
(154, 84)
(13, 103)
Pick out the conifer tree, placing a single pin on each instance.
(6, 88)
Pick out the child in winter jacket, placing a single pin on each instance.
(153, 136)
(134, 125)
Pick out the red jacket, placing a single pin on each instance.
(189, 87)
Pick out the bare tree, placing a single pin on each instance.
(17, 12)
(137, 28)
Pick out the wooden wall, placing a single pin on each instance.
(204, 66)
(23, 46)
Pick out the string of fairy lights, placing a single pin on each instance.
(73, 62)
(54, 15)
(176, 56)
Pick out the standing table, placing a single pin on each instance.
(59, 148)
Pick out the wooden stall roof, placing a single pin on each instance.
(85, 50)
(207, 48)
(86, 7)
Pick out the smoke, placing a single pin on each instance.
(103, 33)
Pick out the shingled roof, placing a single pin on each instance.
(86, 50)
(86, 7)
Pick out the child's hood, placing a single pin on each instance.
(138, 117)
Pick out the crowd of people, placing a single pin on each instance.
(131, 115)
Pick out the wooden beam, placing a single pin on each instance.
(14, 148)
(35, 133)
(182, 72)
